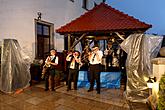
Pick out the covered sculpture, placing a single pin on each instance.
(140, 49)
(15, 65)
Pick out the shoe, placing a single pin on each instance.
(46, 89)
(98, 92)
(90, 90)
(53, 89)
(68, 89)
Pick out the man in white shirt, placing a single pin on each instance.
(74, 60)
(52, 61)
(95, 58)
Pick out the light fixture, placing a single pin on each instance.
(39, 15)
(150, 82)
(90, 37)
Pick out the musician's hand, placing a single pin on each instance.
(42, 76)
(49, 63)
(89, 53)
(95, 52)
(70, 53)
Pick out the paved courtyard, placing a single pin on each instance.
(35, 98)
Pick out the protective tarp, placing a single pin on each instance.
(15, 73)
(140, 49)
(107, 79)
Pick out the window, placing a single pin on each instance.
(43, 29)
(46, 30)
(43, 40)
(84, 4)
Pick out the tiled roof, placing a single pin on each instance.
(103, 18)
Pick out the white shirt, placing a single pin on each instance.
(95, 61)
(72, 64)
(51, 58)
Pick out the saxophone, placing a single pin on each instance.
(45, 67)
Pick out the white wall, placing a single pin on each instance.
(17, 19)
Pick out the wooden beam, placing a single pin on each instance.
(76, 42)
(69, 37)
(121, 37)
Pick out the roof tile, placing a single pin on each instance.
(103, 18)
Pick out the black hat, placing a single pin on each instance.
(95, 46)
(53, 49)
(77, 51)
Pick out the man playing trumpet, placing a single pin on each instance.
(95, 58)
(74, 60)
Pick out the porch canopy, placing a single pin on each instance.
(103, 20)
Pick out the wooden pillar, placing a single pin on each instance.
(69, 41)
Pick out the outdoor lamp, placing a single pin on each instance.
(151, 81)
(90, 37)
(39, 15)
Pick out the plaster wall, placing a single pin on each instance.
(17, 19)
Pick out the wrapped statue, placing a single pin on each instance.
(15, 64)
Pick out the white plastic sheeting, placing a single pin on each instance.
(15, 64)
(140, 49)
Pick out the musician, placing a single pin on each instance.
(51, 62)
(74, 60)
(112, 53)
(108, 52)
(95, 58)
(84, 59)
(66, 70)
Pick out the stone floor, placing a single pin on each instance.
(35, 98)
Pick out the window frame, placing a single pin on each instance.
(50, 36)
(84, 4)
(72, 0)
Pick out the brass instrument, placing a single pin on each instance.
(45, 67)
(88, 54)
(85, 57)
(43, 72)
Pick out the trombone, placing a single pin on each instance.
(86, 55)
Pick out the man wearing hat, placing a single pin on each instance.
(52, 62)
(74, 60)
(95, 58)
